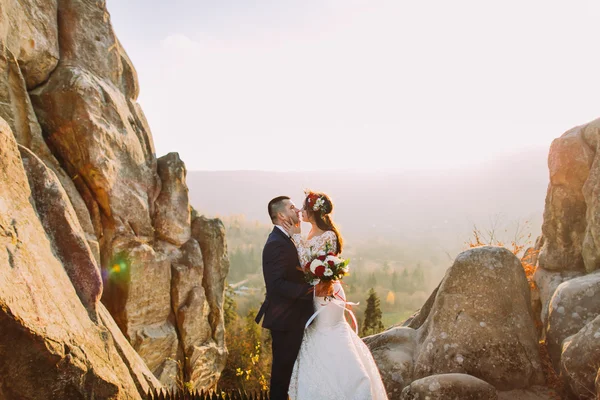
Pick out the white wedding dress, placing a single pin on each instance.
(333, 362)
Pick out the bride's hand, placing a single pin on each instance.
(290, 228)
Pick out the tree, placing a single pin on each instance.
(229, 306)
(372, 324)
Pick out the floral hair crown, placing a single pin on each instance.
(317, 202)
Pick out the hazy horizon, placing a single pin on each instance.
(377, 86)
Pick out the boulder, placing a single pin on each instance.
(580, 360)
(394, 351)
(564, 226)
(481, 323)
(547, 282)
(574, 304)
(449, 386)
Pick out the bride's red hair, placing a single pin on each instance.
(322, 215)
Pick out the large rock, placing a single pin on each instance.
(580, 359)
(191, 313)
(109, 151)
(481, 323)
(64, 231)
(28, 29)
(591, 191)
(49, 346)
(210, 234)
(138, 295)
(16, 109)
(103, 150)
(564, 226)
(449, 386)
(547, 282)
(172, 219)
(394, 351)
(83, 134)
(575, 303)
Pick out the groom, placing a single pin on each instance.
(288, 303)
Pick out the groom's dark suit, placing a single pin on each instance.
(287, 307)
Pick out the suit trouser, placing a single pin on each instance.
(286, 345)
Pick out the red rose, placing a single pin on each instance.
(331, 263)
(322, 258)
(320, 270)
(331, 253)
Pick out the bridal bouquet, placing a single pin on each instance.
(325, 267)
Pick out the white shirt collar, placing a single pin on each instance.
(283, 230)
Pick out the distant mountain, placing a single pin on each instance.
(410, 206)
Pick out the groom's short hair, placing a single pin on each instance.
(275, 206)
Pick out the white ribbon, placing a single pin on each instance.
(342, 303)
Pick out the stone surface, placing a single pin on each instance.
(64, 231)
(580, 359)
(449, 386)
(28, 29)
(394, 351)
(531, 393)
(574, 304)
(598, 384)
(138, 295)
(172, 218)
(210, 234)
(481, 323)
(16, 109)
(591, 191)
(49, 346)
(547, 282)
(565, 224)
(68, 90)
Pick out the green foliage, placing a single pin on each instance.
(372, 322)
(249, 355)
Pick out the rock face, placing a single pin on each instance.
(50, 348)
(479, 324)
(570, 249)
(117, 220)
(565, 226)
(64, 231)
(581, 359)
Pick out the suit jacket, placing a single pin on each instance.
(289, 299)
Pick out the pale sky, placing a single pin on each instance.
(361, 85)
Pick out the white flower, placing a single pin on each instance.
(335, 259)
(314, 264)
(345, 269)
(318, 204)
(328, 272)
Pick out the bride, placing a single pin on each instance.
(333, 362)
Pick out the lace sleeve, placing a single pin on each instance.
(304, 250)
(309, 249)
